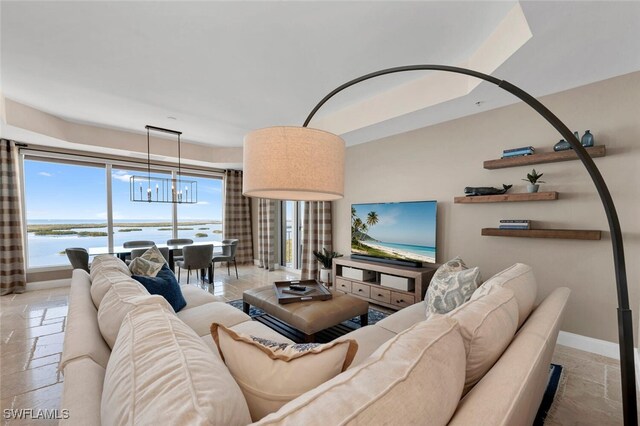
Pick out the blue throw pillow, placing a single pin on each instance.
(164, 284)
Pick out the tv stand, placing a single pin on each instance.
(392, 286)
(399, 262)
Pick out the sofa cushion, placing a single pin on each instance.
(452, 285)
(201, 317)
(272, 373)
(404, 318)
(81, 394)
(102, 281)
(165, 285)
(196, 296)
(415, 378)
(518, 278)
(369, 339)
(487, 325)
(161, 373)
(82, 338)
(108, 262)
(119, 300)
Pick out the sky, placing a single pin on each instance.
(404, 223)
(56, 191)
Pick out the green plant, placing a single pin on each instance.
(533, 177)
(326, 257)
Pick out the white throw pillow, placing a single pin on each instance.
(487, 325)
(451, 286)
(148, 264)
(416, 378)
(161, 373)
(271, 374)
(118, 302)
(518, 278)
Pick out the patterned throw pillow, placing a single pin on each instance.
(451, 286)
(148, 264)
(271, 374)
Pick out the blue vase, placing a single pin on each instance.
(562, 146)
(587, 139)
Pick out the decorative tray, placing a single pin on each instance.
(318, 291)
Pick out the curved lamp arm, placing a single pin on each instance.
(625, 320)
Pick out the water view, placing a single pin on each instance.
(47, 239)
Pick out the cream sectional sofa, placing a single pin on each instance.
(165, 367)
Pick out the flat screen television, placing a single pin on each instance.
(404, 231)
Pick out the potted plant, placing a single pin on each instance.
(325, 257)
(534, 181)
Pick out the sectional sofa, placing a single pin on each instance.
(129, 359)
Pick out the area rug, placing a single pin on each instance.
(323, 336)
(555, 373)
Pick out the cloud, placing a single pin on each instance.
(45, 174)
(121, 175)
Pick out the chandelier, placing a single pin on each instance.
(152, 189)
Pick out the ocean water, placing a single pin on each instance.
(421, 250)
(44, 250)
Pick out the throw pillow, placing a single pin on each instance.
(164, 284)
(148, 264)
(270, 374)
(451, 286)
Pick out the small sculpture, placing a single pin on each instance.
(471, 191)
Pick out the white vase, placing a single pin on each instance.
(325, 275)
(533, 187)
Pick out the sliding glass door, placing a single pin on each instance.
(291, 233)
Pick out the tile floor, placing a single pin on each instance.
(32, 331)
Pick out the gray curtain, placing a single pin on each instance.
(237, 216)
(266, 234)
(12, 270)
(316, 235)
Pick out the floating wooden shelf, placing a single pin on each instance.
(503, 198)
(544, 157)
(568, 234)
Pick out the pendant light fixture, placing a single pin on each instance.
(152, 189)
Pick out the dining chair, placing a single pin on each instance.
(194, 258)
(228, 255)
(79, 257)
(140, 251)
(138, 243)
(177, 254)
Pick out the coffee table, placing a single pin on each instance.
(308, 317)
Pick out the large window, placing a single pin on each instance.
(67, 205)
(202, 221)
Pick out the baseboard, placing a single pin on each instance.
(44, 285)
(589, 344)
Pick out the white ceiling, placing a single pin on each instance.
(225, 68)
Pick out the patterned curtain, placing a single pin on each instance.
(12, 274)
(316, 235)
(237, 216)
(266, 234)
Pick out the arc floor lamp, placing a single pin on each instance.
(299, 163)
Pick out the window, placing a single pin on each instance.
(67, 199)
(291, 233)
(133, 220)
(202, 221)
(66, 206)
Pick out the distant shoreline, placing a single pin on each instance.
(398, 253)
(67, 226)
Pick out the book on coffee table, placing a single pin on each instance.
(314, 291)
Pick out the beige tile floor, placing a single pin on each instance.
(32, 330)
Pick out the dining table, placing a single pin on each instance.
(122, 252)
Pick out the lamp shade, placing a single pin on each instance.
(293, 163)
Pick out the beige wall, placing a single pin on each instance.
(437, 162)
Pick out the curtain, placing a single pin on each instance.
(237, 216)
(266, 234)
(12, 271)
(316, 235)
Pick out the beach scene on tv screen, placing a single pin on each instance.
(403, 231)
